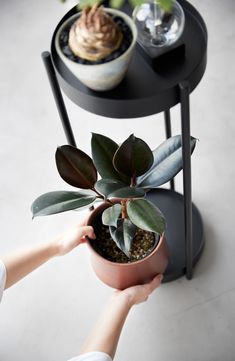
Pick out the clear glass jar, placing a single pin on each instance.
(156, 27)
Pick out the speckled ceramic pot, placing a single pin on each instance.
(101, 77)
(123, 275)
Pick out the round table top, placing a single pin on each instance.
(144, 91)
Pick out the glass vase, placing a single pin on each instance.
(156, 27)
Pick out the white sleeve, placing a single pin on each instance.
(3, 276)
(92, 356)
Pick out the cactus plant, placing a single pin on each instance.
(95, 35)
(127, 172)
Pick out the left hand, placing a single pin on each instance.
(72, 238)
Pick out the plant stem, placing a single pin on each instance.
(99, 194)
(124, 211)
(109, 201)
(133, 180)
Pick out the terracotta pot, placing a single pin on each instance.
(123, 275)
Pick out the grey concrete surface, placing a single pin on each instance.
(46, 316)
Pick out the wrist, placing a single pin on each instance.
(124, 298)
(54, 248)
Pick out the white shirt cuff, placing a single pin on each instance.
(3, 277)
(92, 356)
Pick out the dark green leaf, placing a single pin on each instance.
(127, 192)
(60, 201)
(111, 215)
(146, 216)
(133, 157)
(75, 167)
(129, 230)
(103, 150)
(106, 186)
(167, 163)
(111, 188)
(123, 235)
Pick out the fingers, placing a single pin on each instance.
(156, 281)
(87, 231)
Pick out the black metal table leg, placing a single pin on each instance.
(46, 57)
(186, 151)
(167, 117)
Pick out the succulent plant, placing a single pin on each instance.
(95, 35)
(127, 172)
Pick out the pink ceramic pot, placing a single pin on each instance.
(123, 275)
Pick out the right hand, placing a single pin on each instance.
(140, 293)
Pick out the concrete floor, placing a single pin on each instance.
(48, 315)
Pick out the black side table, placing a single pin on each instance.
(145, 92)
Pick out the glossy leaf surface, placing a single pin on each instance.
(127, 192)
(168, 161)
(106, 186)
(115, 189)
(103, 150)
(60, 201)
(123, 234)
(146, 216)
(133, 157)
(110, 215)
(75, 167)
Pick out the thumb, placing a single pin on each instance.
(87, 231)
(155, 282)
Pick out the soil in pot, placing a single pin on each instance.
(143, 244)
(126, 42)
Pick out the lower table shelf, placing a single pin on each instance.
(171, 204)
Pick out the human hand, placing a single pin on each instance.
(72, 238)
(140, 293)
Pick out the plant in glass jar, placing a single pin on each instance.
(159, 22)
(130, 246)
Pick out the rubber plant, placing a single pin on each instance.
(95, 35)
(127, 172)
